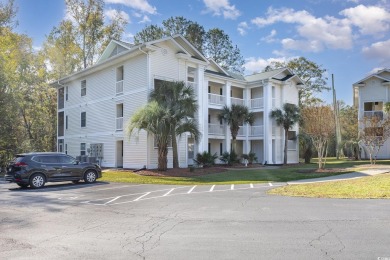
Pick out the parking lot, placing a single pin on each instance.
(142, 221)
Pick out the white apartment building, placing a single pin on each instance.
(95, 105)
(370, 96)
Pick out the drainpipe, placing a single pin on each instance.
(148, 90)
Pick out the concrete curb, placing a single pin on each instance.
(342, 177)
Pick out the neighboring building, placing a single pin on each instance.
(95, 104)
(370, 95)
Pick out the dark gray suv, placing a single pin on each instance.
(35, 169)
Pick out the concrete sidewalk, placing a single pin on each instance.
(347, 176)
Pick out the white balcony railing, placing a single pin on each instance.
(370, 114)
(216, 129)
(216, 99)
(119, 87)
(119, 123)
(242, 131)
(256, 103)
(256, 130)
(237, 101)
(192, 85)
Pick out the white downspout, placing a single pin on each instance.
(148, 90)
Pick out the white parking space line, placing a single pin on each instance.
(212, 188)
(166, 194)
(146, 194)
(114, 199)
(251, 185)
(232, 187)
(270, 184)
(191, 189)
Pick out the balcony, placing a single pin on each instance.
(256, 130)
(193, 85)
(237, 101)
(216, 129)
(242, 131)
(215, 99)
(256, 103)
(371, 114)
(119, 123)
(119, 87)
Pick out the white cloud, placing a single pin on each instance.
(379, 50)
(253, 65)
(242, 27)
(271, 37)
(141, 5)
(129, 37)
(145, 19)
(315, 33)
(112, 14)
(222, 7)
(369, 19)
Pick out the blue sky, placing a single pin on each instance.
(350, 38)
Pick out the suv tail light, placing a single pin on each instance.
(20, 164)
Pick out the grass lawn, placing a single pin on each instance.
(229, 177)
(371, 187)
(243, 176)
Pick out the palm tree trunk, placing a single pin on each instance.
(285, 145)
(174, 151)
(162, 158)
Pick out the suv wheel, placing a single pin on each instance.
(37, 181)
(90, 176)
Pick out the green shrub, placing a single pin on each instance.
(205, 159)
(251, 157)
(229, 158)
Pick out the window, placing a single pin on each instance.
(83, 119)
(60, 124)
(292, 140)
(66, 122)
(119, 80)
(66, 93)
(82, 149)
(209, 119)
(209, 89)
(221, 91)
(66, 148)
(66, 159)
(83, 87)
(119, 116)
(220, 148)
(209, 148)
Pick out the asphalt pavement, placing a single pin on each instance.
(131, 221)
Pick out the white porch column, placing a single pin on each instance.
(202, 115)
(228, 100)
(267, 123)
(247, 144)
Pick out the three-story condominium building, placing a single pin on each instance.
(370, 96)
(95, 105)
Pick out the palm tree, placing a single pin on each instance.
(156, 120)
(287, 118)
(235, 116)
(179, 99)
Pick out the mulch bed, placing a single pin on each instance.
(185, 172)
(182, 172)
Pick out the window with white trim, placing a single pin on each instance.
(291, 140)
(83, 149)
(83, 87)
(83, 119)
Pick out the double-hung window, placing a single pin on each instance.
(83, 119)
(83, 87)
